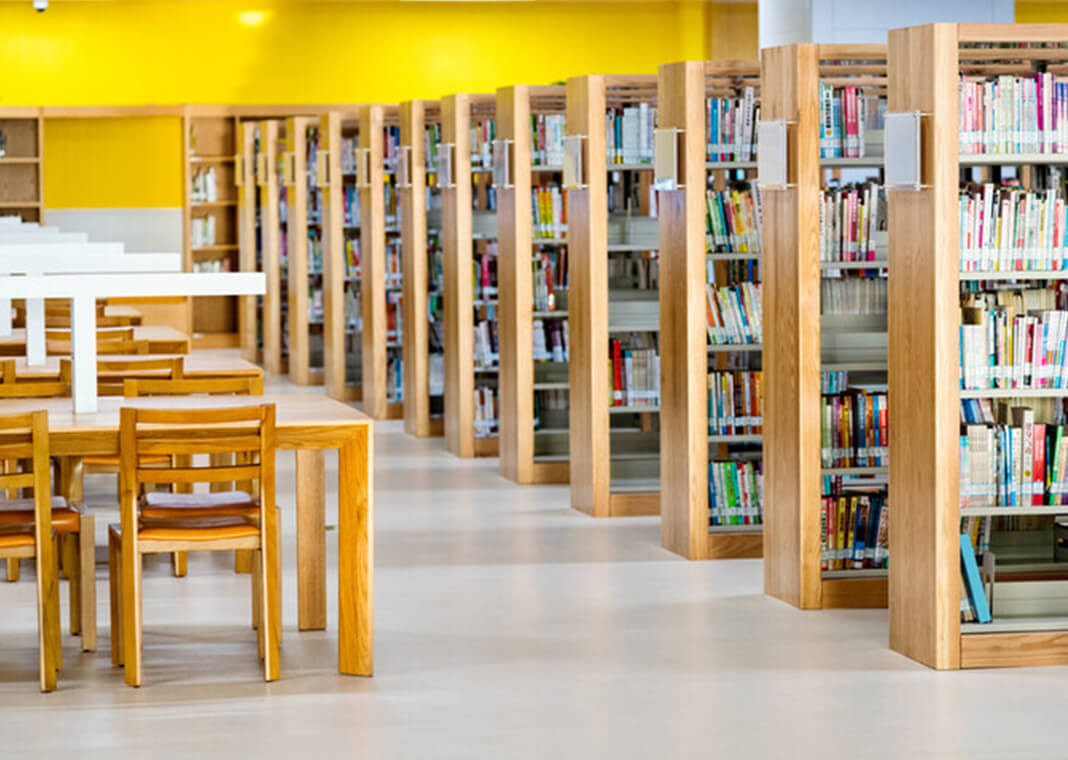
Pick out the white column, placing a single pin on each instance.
(784, 22)
(83, 352)
(35, 331)
(5, 315)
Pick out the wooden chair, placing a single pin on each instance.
(57, 313)
(25, 437)
(110, 373)
(154, 522)
(13, 387)
(108, 341)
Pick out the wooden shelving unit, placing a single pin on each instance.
(342, 281)
(926, 64)
(303, 306)
(614, 451)
(22, 164)
(465, 232)
(799, 343)
(533, 435)
(210, 216)
(420, 203)
(686, 446)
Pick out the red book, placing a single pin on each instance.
(1038, 472)
(617, 374)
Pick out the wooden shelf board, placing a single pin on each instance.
(631, 247)
(550, 241)
(1003, 511)
(1034, 274)
(712, 165)
(550, 314)
(739, 438)
(20, 204)
(546, 168)
(19, 160)
(727, 347)
(214, 204)
(1013, 159)
(634, 410)
(879, 264)
(635, 485)
(1016, 625)
(629, 167)
(211, 159)
(871, 572)
(855, 367)
(729, 530)
(734, 256)
(848, 163)
(550, 386)
(855, 471)
(1015, 393)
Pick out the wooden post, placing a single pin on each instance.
(373, 263)
(246, 235)
(295, 158)
(267, 179)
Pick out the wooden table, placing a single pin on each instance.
(197, 364)
(309, 424)
(161, 340)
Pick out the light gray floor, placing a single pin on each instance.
(508, 626)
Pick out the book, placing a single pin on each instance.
(487, 405)
(635, 375)
(733, 220)
(971, 581)
(850, 220)
(735, 492)
(547, 139)
(733, 314)
(854, 530)
(730, 126)
(548, 205)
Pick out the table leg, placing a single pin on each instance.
(83, 352)
(356, 554)
(35, 332)
(311, 540)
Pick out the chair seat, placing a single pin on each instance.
(113, 461)
(161, 505)
(199, 533)
(15, 540)
(15, 512)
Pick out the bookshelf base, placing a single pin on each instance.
(1012, 650)
(487, 447)
(722, 545)
(395, 411)
(347, 394)
(311, 376)
(203, 341)
(435, 427)
(634, 504)
(549, 473)
(855, 593)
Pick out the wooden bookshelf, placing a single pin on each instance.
(926, 64)
(797, 340)
(534, 442)
(614, 452)
(22, 164)
(210, 213)
(247, 239)
(465, 232)
(342, 314)
(420, 200)
(303, 313)
(686, 445)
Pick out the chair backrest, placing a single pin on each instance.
(118, 340)
(29, 388)
(245, 385)
(111, 373)
(246, 432)
(57, 312)
(24, 438)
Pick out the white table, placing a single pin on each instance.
(83, 290)
(38, 258)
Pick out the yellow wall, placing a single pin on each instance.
(1041, 12)
(113, 163)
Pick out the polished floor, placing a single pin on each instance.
(509, 626)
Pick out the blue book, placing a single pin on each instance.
(969, 571)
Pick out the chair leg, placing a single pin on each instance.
(131, 611)
(242, 560)
(12, 569)
(87, 580)
(179, 564)
(115, 596)
(257, 602)
(272, 602)
(48, 634)
(69, 551)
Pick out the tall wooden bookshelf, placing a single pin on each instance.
(342, 266)
(614, 450)
(303, 307)
(686, 356)
(800, 341)
(927, 66)
(210, 216)
(248, 307)
(533, 424)
(468, 233)
(22, 163)
(420, 203)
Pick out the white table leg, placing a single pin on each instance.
(35, 331)
(5, 315)
(83, 352)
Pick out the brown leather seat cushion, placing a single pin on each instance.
(15, 540)
(160, 505)
(15, 512)
(201, 533)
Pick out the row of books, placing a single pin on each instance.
(733, 314)
(347, 157)
(1014, 114)
(1008, 229)
(351, 206)
(735, 403)
(734, 271)
(390, 147)
(999, 350)
(552, 400)
(1015, 463)
(732, 220)
(353, 310)
(547, 139)
(483, 133)
(202, 231)
(550, 275)
(635, 376)
(855, 532)
(853, 295)
(315, 305)
(730, 124)
(393, 264)
(395, 380)
(394, 320)
(736, 493)
(834, 381)
(854, 428)
(484, 272)
(204, 187)
(843, 118)
(352, 258)
(850, 217)
(315, 253)
(487, 348)
(548, 204)
(486, 411)
(431, 140)
(629, 133)
(392, 205)
(212, 265)
(551, 340)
